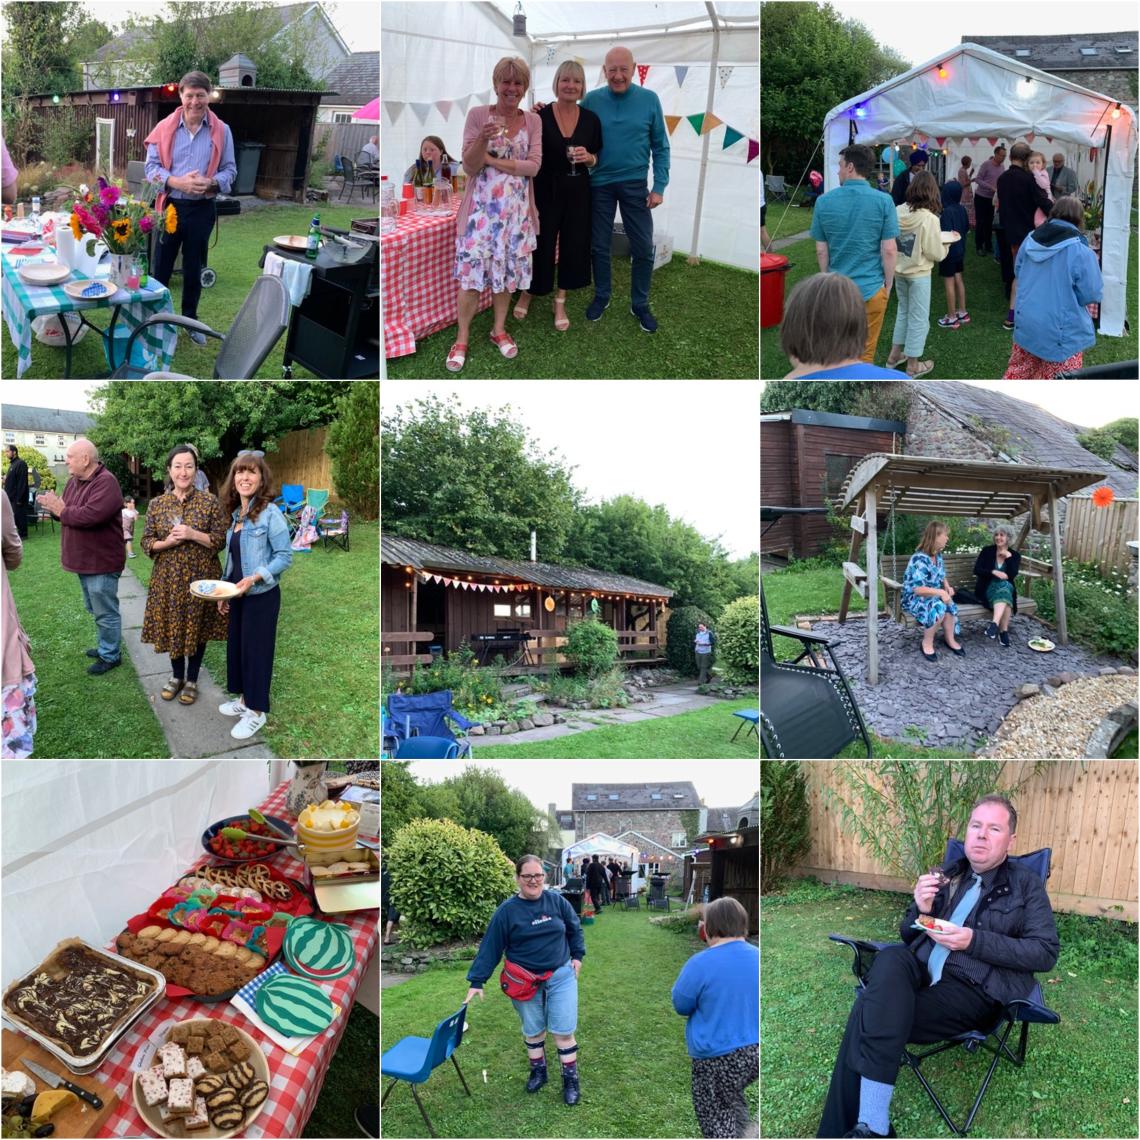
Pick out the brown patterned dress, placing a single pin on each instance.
(175, 621)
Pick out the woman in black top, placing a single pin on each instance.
(995, 569)
(562, 199)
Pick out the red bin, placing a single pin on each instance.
(773, 266)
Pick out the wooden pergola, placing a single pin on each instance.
(929, 485)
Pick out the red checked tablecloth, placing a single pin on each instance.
(419, 290)
(295, 1082)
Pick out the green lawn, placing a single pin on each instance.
(703, 733)
(707, 315)
(633, 1064)
(350, 1080)
(326, 668)
(978, 351)
(1079, 1078)
(235, 258)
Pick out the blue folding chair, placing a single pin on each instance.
(429, 714)
(1020, 1010)
(291, 500)
(412, 1059)
(427, 748)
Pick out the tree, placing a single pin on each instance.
(353, 446)
(147, 419)
(738, 639)
(785, 819)
(1124, 431)
(875, 399)
(402, 798)
(472, 480)
(487, 803)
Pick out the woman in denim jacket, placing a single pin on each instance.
(257, 554)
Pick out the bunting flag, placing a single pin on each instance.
(753, 149)
(642, 71)
(992, 140)
(703, 123)
(463, 584)
(394, 109)
(680, 72)
(730, 136)
(974, 142)
(941, 140)
(1030, 138)
(549, 54)
(462, 104)
(443, 106)
(421, 111)
(671, 122)
(725, 75)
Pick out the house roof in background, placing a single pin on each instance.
(1063, 52)
(23, 417)
(396, 551)
(678, 795)
(355, 80)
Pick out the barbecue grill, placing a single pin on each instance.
(513, 644)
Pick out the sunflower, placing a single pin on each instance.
(122, 228)
(76, 228)
(171, 220)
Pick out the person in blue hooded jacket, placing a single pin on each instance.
(950, 268)
(1058, 277)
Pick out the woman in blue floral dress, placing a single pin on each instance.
(926, 594)
(497, 224)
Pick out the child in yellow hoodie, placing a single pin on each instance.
(920, 246)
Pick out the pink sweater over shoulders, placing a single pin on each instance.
(528, 167)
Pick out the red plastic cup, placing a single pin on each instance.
(404, 203)
(409, 190)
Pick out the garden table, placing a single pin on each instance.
(295, 1082)
(23, 303)
(419, 291)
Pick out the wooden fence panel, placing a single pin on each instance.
(1088, 816)
(300, 458)
(1098, 534)
(344, 138)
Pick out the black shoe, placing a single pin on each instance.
(92, 652)
(861, 1129)
(596, 308)
(645, 318)
(102, 665)
(571, 1094)
(1003, 637)
(367, 1118)
(928, 656)
(537, 1077)
(992, 631)
(959, 652)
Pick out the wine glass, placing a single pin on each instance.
(570, 152)
(175, 520)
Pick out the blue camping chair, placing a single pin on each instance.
(427, 748)
(1020, 1010)
(291, 500)
(412, 1059)
(427, 714)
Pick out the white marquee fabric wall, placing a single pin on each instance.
(89, 843)
(437, 59)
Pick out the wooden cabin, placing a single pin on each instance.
(433, 598)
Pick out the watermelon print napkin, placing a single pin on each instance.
(244, 1001)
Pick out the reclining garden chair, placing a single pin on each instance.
(413, 1059)
(428, 714)
(334, 531)
(805, 712)
(1020, 1010)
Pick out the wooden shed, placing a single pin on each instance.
(730, 867)
(437, 596)
(804, 459)
(280, 121)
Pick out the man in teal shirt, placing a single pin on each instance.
(855, 227)
(633, 127)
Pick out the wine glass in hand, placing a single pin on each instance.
(572, 156)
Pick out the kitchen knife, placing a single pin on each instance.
(56, 1082)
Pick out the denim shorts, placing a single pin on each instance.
(553, 1007)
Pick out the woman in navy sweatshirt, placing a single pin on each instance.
(718, 990)
(539, 931)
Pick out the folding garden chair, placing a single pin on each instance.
(428, 714)
(805, 712)
(413, 1059)
(1020, 1010)
(318, 500)
(291, 500)
(334, 531)
(426, 748)
(775, 188)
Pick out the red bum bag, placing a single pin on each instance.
(518, 983)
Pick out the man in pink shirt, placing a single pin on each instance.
(984, 190)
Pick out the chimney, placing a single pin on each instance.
(534, 545)
(553, 810)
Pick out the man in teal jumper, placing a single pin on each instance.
(633, 126)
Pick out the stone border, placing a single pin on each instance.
(1051, 684)
(1106, 738)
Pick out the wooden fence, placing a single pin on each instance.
(1088, 816)
(300, 458)
(344, 138)
(1098, 534)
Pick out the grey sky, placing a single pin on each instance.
(725, 783)
(692, 445)
(62, 395)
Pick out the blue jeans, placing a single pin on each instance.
(638, 222)
(101, 600)
(553, 1007)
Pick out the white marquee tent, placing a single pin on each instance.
(969, 95)
(702, 58)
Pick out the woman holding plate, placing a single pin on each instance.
(185, 529)
(257, 554)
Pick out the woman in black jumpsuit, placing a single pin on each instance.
(563, 200)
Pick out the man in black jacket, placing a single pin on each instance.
(16, 486)
(1018, 196)
(937, 985)
(596, 881)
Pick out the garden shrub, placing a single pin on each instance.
(591, 647)
(36, 461)
(1100, 613)
(679, 634)
(65, 137)
(476, 690)
(447, 881)
(784, 822)
(353, 445)
(738, 640)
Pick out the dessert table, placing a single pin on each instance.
(295, 1081)
(419, 291)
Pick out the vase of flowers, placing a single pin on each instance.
(122, 222)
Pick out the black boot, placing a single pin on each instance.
(537, 1076)
(571, 1094)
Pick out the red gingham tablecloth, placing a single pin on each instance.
(294, 1082)
(419, 290)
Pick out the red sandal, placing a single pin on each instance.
(456, 357)
(505, 344)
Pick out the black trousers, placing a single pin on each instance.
(565, 218)
(195, 224)
(20, 516)
(898, 1006)
(984, 216)
(249, 651)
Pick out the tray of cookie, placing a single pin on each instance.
(204, 1078)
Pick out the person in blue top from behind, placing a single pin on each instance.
(718, 990)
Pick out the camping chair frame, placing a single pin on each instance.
(1023, 1010)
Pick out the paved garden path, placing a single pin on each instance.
(954, 699)
(668, 700)
(196, 731)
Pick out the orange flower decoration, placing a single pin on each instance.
(1102, 496)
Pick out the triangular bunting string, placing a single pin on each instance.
(695, 121)
(671, 122)
(680, 72)
(421, 111)
(642, 71)
(443, 106)
(731, 136)
(753, 149)
(394, 110)
(725, 75)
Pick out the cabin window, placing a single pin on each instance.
(342, 117)
(522, 609)
(837, 469)
(502, 609)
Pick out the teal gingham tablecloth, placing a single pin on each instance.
(23, 303)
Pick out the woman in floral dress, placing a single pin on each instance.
(927, 596)
(185, 529)
(497, 224)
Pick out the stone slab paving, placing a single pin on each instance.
(954, 699)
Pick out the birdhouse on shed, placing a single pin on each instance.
(238, 71)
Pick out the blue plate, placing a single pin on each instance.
(236, 821)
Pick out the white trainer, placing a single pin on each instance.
(249, 724)
(233, 708)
